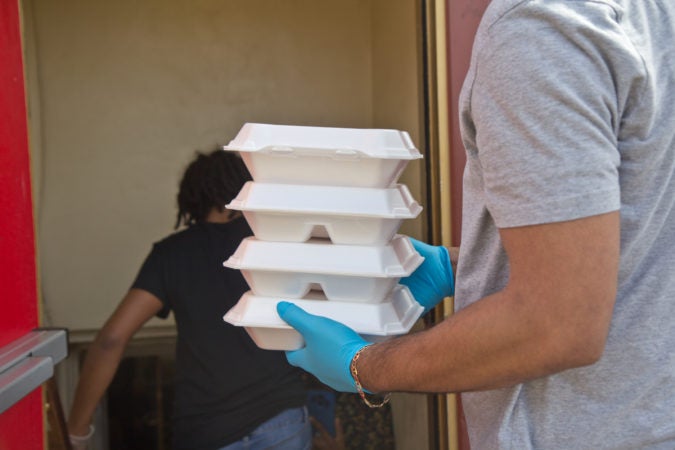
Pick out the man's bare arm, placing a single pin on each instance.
(554, 314)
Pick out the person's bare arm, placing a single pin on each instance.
(554, 314)
(105, 353)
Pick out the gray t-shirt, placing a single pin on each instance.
(568, 111)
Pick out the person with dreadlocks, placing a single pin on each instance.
(229, 394)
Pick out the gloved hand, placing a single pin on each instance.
(78, 445)
(329, 347)
(433, 280)
(81, 442)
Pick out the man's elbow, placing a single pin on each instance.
(576, 335)
(109, 341)
(588, 353)
(579, 348)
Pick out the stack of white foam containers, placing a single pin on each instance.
(325, 207)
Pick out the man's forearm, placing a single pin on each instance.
(475, 349)
(553, 314)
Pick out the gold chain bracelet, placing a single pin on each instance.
(357, 383)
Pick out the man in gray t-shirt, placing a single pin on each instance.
(564, 334)
(568, 113)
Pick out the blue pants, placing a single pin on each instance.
(288, 430)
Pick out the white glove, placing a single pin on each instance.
(81, 442)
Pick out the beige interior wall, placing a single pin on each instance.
(121, 93)
(397, 85)
(396, 104)
(128, 90)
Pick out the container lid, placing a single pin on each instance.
(339, 143)
(394, 316)
(396, 259)
(394, 202)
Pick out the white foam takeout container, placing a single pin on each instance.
(346, 215)
(328, 156)
(374, 322)
(351, 273)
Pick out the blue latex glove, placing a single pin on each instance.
(329, 347)
(433, 280)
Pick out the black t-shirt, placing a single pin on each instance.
(225, 385)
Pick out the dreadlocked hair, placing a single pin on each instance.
(211, 180)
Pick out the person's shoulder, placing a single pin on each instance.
(178, 237)
(499, 11)
(236, 228)
(518, 27)
(240, 227)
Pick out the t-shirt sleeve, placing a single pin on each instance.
(152, 277)
(545, 106)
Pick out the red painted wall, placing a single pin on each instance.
(463, 17)
(21, 426)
